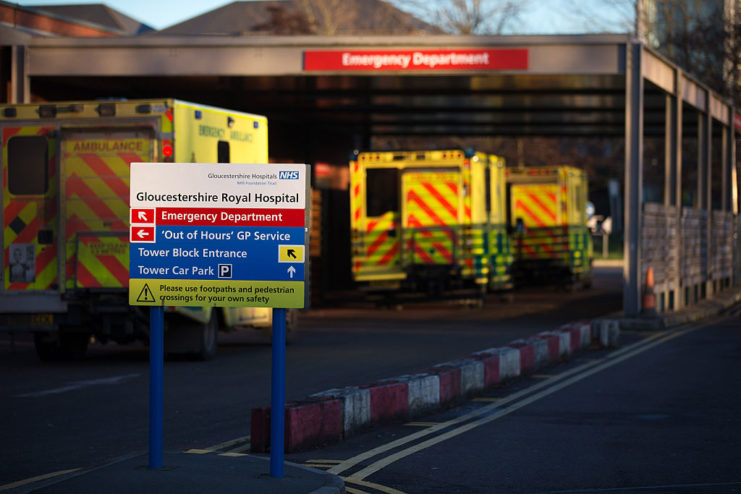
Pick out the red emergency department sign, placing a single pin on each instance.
(416, 60)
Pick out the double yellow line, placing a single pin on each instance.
(498, 409)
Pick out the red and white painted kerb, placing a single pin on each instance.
(334, 414)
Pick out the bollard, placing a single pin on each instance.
(648, 301)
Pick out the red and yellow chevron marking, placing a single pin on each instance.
(381, 249)
(432, 210)
(32, 213)
(356, 213)
(97, 210)
(543, 243)
(538, 205)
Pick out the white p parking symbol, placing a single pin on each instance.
(225, 270)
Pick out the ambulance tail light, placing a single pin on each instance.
(167, 150)
(168, 114)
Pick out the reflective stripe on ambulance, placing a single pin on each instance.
(97, 208)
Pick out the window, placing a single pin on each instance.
(28, 158)
(382, 191)
(223, 152)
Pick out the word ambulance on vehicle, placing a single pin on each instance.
(65, 201)
(429, 222)
(547, 216)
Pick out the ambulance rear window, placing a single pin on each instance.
(382, 191)
(222, 152)
(28, 158)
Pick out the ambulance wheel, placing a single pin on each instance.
(190, 338)
(47, 346)
(52, 346)
(209, 338)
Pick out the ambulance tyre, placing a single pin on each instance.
(209, 338)
(47, 345)
(58, 345)
(190, 338)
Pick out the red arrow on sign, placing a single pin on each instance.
(142, 215)
(142, 234)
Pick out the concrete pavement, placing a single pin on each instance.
(186, 473)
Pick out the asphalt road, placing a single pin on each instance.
(64, 415)
(662, 414)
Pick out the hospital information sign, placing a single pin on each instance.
(227, 235)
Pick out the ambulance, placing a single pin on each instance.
(65, 202)
(429, 222)
(547, 220)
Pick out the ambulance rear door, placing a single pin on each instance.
(95, 202)
(431, 217)
(29, 194)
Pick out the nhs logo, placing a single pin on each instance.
(288, 175)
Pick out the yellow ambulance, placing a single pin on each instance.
(65, 202)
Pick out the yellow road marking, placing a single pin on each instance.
(351, 462)
(371, 485)
(487, 400)
(232, 455)
(240, 449)
(199, 451)
(384, 462)
(355, 491)
(38, 478)
(228, 444)
(421, 424)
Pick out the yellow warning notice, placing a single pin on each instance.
(217, 293)
(290, 253)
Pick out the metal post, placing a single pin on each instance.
(705, 174)
(605, 244)
(633, 177)
(677, 141)
(278, 394)
(156, 387)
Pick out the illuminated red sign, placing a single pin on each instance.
(417, 60)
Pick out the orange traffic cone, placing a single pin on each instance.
(648, 302)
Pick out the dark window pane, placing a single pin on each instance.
(382, 192)
(223, 152)
(28, 158)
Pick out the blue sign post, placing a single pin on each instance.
(278, 394)
(156, 384)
